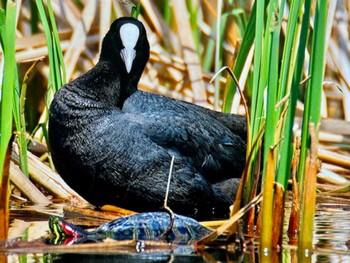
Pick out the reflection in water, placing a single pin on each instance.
(332, 233)
(332, 242)
(96, 258)
(333, 229)
(208, 255)
(158, 257)
(28, 230)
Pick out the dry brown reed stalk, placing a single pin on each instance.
(334, 158)
(26, 186)
(308, 196)
(293, 225)
(188, 49)
(278, 212)
(50, 180)
(77, 41)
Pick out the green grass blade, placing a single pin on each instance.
(56, 63)
(167, 11)
(193, 10)
(8, 36)
(218, 57)
(311, 118)
(2, 27)
(247, 42)
(20, 121)
(135, 10)
(60, 67)
(287, 67)
(270, 60)
(18, 114)
(312, 90)
(9, 78)
(286, 147)
(317, 60)
(49, 43)
(257, 94)
(34, 18)
(57, 78)
(208, 55)
(254, 34)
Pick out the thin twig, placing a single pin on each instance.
(165, 206)
(168, 185)
(240, 92)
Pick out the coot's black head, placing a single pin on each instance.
(126, 46)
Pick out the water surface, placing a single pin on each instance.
(29, 229)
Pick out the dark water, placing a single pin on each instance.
(28, 227)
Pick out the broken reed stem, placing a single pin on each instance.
(250, 218)
(267, 205)
(278, 215)
(308, 199)
(295, 210)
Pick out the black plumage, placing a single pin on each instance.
(113, 144)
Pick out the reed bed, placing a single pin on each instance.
(298, 50)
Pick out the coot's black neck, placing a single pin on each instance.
(118, 85)
(100, 86)
(129, 83)
(106, 85)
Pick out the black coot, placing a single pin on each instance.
(113, 144)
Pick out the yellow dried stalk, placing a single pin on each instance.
(26, 186)
(189, 54)
(43, 175)
(334, 158)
